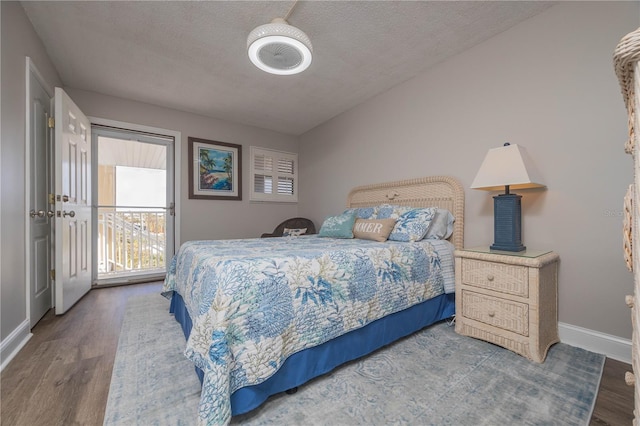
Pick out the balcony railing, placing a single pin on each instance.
(131, 241)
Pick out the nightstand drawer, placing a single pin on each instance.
(501, 313)
(511, 279)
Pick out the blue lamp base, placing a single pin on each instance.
(507, 223)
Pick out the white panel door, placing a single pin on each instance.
(39, 208)
(73, 202)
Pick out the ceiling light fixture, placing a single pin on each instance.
(280, 48)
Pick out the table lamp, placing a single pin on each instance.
(510, 167)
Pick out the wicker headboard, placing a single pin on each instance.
(432, 191)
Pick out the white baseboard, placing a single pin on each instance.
(12, 344)
(612, 346)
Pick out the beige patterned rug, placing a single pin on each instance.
(434, 377)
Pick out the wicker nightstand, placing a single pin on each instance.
(509, 299)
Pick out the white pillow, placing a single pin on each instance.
(293, 232)
(441, 226)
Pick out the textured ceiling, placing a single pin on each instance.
(191, 56)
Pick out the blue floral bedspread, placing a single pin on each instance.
(255, 302)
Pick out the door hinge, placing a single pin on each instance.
(52, 199)
(52, 274)
(52, 123)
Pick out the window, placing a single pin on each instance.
(274, 175)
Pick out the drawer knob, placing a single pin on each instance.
(629, 378)
(492, 314)
(629, 300)
(490, 277)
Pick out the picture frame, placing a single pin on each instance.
(215, 170)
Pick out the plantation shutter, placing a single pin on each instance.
(274, 175)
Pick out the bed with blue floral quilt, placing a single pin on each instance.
(262, 316)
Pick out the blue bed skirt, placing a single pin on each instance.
(313, 362)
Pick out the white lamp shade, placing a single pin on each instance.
(507, 165)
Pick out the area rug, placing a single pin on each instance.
(434, 377)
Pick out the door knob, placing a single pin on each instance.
(71, 213)
(50, 213)
(39, 213)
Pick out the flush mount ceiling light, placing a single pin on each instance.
(280, 48)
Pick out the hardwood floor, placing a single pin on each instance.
(62, 375)
(614, 405)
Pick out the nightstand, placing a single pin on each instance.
(508, 298)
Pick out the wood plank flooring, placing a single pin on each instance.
(62, 375)
(614, 405)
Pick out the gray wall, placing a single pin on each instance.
(18, 40)
(203, 219)
(200, 219)
(547, 84)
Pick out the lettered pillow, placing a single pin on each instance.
(413, 225)
(340, 226)
(373, 229)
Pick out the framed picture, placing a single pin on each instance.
(215, 170)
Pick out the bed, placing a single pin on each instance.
(263, 316)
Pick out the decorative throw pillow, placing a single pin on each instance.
(413, 225)
(391, 211)
(364, 212)
(441, 226)
(340, 226)
(373, 229)
(293, 232)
